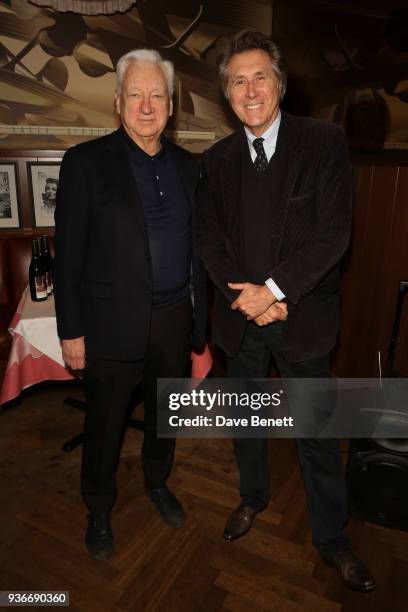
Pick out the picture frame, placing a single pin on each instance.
(10, 214)
(44, 177)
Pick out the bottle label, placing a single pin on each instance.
(40, 287)
(48, 282)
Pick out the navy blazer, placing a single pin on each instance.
(102, 267)
(314, 214)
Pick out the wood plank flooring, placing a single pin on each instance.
(155, 568)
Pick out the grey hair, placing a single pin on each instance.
(249, 40)
(144, 55)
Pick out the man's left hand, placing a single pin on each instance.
(253, 299)
(276, 312)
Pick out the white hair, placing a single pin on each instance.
(144, 55)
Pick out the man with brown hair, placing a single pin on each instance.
(275, 217)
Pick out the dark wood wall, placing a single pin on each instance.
(377, 260)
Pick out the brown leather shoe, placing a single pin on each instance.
(354, 573)
(239, 522)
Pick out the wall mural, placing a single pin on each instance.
(348, 62)
(57, 69)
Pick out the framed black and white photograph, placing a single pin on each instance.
(44, 178)
(9, 206)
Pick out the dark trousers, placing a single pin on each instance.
(109, 386)
(320, 459)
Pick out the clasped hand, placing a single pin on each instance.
(258, 303)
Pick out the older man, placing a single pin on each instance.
(124, 254)
(274, 224)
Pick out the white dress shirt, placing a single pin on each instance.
(270, 137)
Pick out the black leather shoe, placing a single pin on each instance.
(353, 572)
(168, 506)
(99, 536)
(239, 522)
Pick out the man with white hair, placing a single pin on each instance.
(125, 250)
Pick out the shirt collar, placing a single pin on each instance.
(270, 135)
(142, 155)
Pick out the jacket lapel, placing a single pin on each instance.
(230, 186)
(290, 146)
(187, 171)
(231, 179)
(127, 194)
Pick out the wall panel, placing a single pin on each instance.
(377, 260)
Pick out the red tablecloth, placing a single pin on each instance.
(27, 364)
(36, 354)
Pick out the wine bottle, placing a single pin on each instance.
(36, 276)
(46, 261)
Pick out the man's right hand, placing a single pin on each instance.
(73, 353)
(277, 312)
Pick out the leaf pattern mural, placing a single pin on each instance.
(57, 69)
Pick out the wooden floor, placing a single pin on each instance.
(155, 568)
